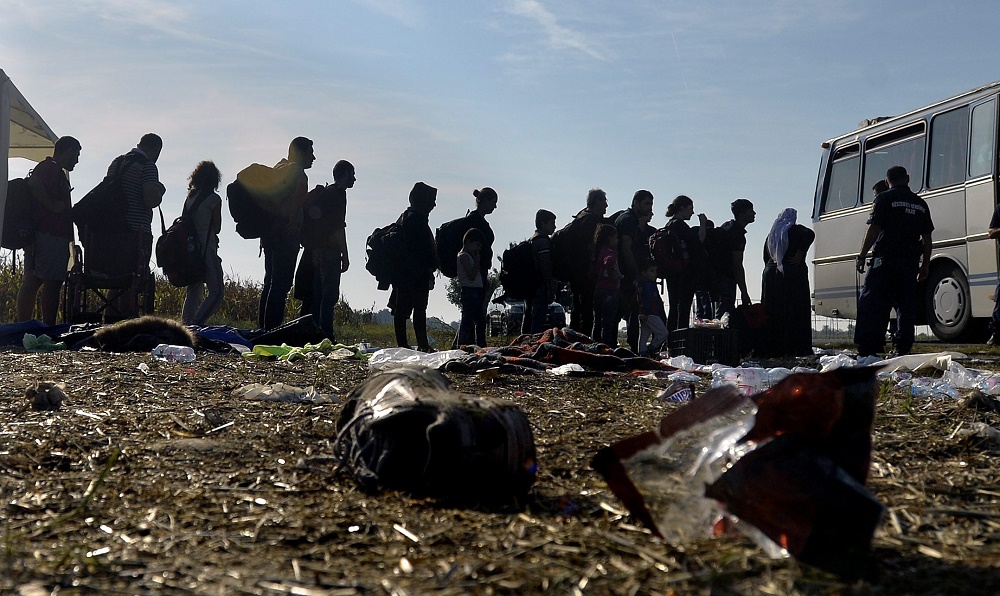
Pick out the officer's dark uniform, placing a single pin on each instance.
(892, 276)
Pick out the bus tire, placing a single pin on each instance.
(947, 303)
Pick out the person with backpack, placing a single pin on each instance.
(284, 197)
(536, 307)
(729, 242)
(633, 247)
(204, 206)
(46, 256)
(681, 284)
(472, 328)
(486, 203)
(607, 280)
(413, 277)
(573, 251)
(324, 240)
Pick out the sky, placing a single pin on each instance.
(540, 99)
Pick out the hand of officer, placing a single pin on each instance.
(859, 263)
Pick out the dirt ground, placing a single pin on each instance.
(161, 480)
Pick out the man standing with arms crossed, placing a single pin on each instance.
(899, 236)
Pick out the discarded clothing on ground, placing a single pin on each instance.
(791, 462)
(556, 347)
(407, 429)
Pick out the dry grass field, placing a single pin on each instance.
(161, 480)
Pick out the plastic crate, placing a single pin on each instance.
(707, 346)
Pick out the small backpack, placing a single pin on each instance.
(384, 250)
(518, 274)
(18, 226)
(448, 239)
(668, 252)
(179, 252)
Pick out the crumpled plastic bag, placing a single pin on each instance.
(283, 393)
(41, 343)
(407, 429)
(389, 358)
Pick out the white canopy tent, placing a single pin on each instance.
(23, 133)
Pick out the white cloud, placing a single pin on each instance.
(405, 12)
(558, 36)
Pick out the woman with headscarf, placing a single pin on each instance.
(785, 292)
(414, 277)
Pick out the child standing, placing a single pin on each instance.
(607, 277)
(472, 329)
(652, 315)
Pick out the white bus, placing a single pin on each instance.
(949, 148)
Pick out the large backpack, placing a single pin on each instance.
(18, 226)
(103, 208)
(384, 252)
(572, 249)
(448, 239)
(179, 251)
(668, 252)
(518, 274)
(252, 219)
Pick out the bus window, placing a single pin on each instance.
(949, 148)
(842, 190)
(981, 148)
(902, 147)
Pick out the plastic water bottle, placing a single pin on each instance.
(172, 353)
(747, 380)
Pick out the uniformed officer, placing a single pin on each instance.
(899, 235)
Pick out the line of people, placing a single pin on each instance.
(609, 265)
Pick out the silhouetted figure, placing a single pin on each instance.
(729, 242)
(633, 248)
(899, 236)
(785, 288)
(46, 257)
(536, 307)
(681, 285)
(472, 328)
(414, 278)
(607, 279)
(280, 244)
(203, 185)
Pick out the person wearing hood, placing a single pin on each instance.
(414, 278)
(785, 287)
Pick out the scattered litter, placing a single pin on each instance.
(981, 430)
(683, 376)
(676, 393)
(41, 343)
(283, 393)
(910, 362)
(46, 395)
(927, 387)
(964, 378)
(566, 369)
(751, 380)
(143, 368)
(389, 358)
(789, 474)
(977, 400)
(489, 374)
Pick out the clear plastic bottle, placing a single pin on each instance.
(172, 353)
(749, 380)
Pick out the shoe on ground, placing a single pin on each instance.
(993, 340)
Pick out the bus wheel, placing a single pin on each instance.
(947, 304)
